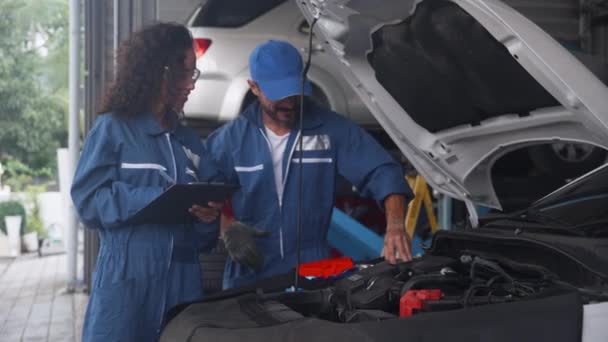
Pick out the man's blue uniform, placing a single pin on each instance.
(141, 271)
(332, 146)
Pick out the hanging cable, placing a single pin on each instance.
(299, 142)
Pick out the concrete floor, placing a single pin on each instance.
(33, 303)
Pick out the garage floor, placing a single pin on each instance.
(33, 302)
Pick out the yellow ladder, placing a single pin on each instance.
(421, 195)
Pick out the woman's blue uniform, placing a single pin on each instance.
(142, 270)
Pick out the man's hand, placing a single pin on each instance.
(396, 243)
(239, 239)
(207, 214)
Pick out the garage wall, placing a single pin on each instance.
(106, 24)
(578, 24)
(177, 10)
(98, 23)
(560, 18)
(599, 39)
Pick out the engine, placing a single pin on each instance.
(433, 283)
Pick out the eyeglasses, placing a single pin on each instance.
(193, 74)
(196, 74)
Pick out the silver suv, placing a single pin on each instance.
(226, 31)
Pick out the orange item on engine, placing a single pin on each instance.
(413, 300)
(326, 267)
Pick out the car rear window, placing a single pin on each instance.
(232, 13)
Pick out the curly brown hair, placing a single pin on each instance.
(140, 66)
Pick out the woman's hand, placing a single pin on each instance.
(207, 214)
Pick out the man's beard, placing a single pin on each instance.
(273, 113)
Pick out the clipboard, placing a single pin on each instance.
(171, 207)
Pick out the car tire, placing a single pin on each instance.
(567, 160)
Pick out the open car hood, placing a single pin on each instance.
(459, 83)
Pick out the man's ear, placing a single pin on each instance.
(254, 87)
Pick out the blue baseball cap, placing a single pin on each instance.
(276, 66)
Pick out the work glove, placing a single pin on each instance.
(239, 239)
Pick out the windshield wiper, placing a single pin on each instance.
(592, 228)
(537, 217)
(533, 221)
(518, 226)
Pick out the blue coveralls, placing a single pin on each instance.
(332, 145)
(141, 271)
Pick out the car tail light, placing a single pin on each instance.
(201, 46)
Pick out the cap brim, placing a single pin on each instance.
(280, 89)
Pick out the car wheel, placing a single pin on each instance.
(567, 160)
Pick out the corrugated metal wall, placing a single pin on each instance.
(97, 21)
(107, 23)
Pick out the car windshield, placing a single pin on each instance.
(583, 213)
(589, 188)
(579, 205)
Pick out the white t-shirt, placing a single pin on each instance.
(277, 150)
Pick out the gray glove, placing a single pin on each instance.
(239, 239)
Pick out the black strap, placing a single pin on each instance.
(266, 313)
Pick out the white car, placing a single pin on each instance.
(225, 33)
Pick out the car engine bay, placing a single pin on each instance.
(434, 283)
(506, 285)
